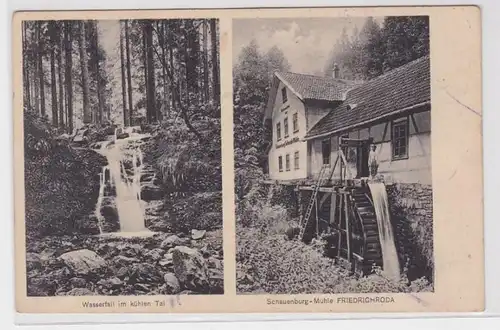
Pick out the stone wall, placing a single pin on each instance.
(412, 218)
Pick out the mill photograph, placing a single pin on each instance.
(122, 157)
(332, 140)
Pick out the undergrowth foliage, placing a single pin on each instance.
(268, 262)
(190, 170)
(61, 183)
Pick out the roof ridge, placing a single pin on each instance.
(315, 76)
(399, 68)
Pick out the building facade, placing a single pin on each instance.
(296, 104)
(392, 112)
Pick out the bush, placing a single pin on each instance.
(189, 169)
(269, 263)
(61, 183)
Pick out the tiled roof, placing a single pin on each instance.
(308, 87)
(395, 90)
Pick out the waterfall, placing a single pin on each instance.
(125, 164)
(389, 253)
(102, 185)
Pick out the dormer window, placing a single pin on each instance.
(351, 106)
(285, 126)
(295, 122)
(278, 131)
(283, 95)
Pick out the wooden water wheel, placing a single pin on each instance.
(355, 226)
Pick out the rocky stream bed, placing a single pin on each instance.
(112, 265)
(124, 244)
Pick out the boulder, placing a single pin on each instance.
(83, 261)
(214, 263)
(122, 272)
(172, 241)
(142, 287)
(172, 284)
(110, 214)
(168, 260)
(151, 192)
(144, 273)
(155, 254)
(130, 250)
(197, 234)
(111, 283)
(123, 260)
(78, 282)
(190, 269)
(122, 135)
(80, 292)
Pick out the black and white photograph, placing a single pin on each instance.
(122, 157)
(332, 143)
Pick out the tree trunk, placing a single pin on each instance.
(129, 75)
(53, 87)
(151, 73)
(40, 72)
(60, 71)
(146, 71)
(26, 70)
(36, 74)
(164, 73)
(68, 42)
(124, 86)
(171, 60)
(215, 61)
(100, 88)
(87, 119)
(205, 62)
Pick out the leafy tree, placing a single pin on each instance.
(251, 83)
(406, 38)
(375, 50)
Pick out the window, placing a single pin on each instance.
(295, 123)
(326, 151)
(285, 126)
(278, 131)
(287, 162)
(283, 95)
(280, 163)
(296, 160)
(400, 139)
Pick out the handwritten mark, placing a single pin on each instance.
(453, 174)
(465, 106)
(418, 299)
(174, 301)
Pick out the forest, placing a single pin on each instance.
(164, 69)
(112, 108)
(266, 262)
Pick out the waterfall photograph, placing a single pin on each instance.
(332, 143)
(122, 157)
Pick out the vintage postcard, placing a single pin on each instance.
(244, 160)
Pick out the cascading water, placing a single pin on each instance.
(389, 253)
(102, 185)
(126, 180)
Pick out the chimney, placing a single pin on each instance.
(336, 71)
